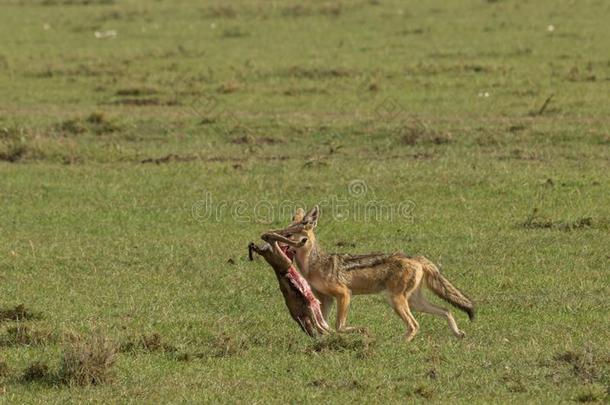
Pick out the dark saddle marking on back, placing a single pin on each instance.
(355, 262)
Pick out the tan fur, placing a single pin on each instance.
(340, 276)
(444, 289)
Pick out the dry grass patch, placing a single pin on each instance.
(25, 335)
(425, 391)
(252, 140)
(230, 86)
(593, 393)
(17, 144)
(96, 123)
(153, 342)
(333, 9)
(225, 345)
(136, 91)
(18, 313)
(234, 32)
(4, 370)
(585, 365)
(349, 385)
(422, 133)
(88, 361)
(223, 11)
(317, 73)
(303, 91)
(537, 221)
(36, 371)
(14, 152)
(170, 158)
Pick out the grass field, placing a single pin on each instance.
(144, 144)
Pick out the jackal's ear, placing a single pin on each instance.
(299, 214)
(313, 215)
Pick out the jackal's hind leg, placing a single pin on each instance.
(418, 303)
(401, 307)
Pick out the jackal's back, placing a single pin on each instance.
(364, 274)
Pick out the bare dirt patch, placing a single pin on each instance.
(252, 140)
(303, 91)
(136, 92)
(81, 70)
(536, 221)
(139, 102)
(316, 73)
(431, 69)
(323, 383)
(172, 157)
(332, 9)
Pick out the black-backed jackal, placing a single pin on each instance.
(341, 275)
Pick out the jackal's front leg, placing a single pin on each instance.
(343, 299)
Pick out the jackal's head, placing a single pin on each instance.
(301, 231)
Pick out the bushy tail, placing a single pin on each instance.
(444, 289)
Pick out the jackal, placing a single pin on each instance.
(341, 275)
(303, 306)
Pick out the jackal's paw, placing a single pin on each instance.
(409, 337)
(460, 335)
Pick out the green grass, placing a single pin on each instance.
(108, 146)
